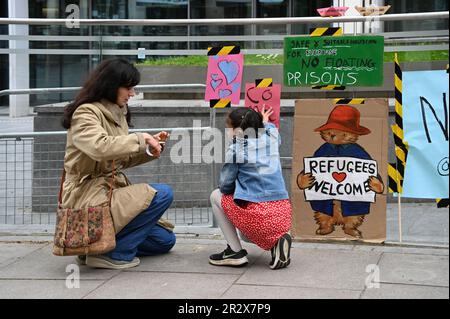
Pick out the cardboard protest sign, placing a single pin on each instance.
(343, 60)
(224, 77)
(426, 126)
(373, 10)
(332, 11)
(339, 170)
(342, 178)
(256, 98)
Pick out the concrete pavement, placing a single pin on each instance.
(318, 270)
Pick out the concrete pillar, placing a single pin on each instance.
(19, 70)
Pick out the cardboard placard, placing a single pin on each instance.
(224, 78)
(256, 98)
(350, 146)
(341, 178)
(426, 118)
(332, 11)
(343, 60)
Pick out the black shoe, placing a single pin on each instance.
(229, 258)
(281, 253)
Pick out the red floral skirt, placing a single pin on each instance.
(263, 223)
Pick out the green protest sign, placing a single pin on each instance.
(343, 60)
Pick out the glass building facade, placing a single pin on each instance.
(61, 70)
(4, 58)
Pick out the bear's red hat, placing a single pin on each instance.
(344, 118)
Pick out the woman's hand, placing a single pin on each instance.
(162, 136)
(153, 142)
(266, 113)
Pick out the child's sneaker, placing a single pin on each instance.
(281, 252)
(229, 258)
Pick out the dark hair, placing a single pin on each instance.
(245, 118)
(104, 83)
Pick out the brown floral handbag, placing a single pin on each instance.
(84, 231)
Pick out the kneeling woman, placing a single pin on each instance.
(97, 137)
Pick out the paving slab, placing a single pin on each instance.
(404, 250)
(314, 268)
(276, 292)
(192, 258)
(414, 269)
(10, 252)
(395, 291)
(45, 289)
(161, 285)
(42, 264)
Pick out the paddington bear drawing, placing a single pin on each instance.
(341, 133)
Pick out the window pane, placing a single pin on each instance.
(307, 8)
(53, 70)
(272, 9)
(160, 9)
(220, 9)
(404, 6)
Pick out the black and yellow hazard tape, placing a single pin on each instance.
(329, 87)
(264, 83)
(443, 202)
(396, 171)
(349, 101)
(392, 178)
(225, 50)
(324, 32)
(220, 104)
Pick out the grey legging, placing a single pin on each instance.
(228, 229)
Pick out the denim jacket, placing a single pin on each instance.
(252, 169)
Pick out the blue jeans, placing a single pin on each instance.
(143, 236)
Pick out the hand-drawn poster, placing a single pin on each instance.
(339, 170)
(343, 60)
(341, 178)
(426, 126)
(224, 77)
(257, 98)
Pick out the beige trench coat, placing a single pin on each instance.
(97, 136)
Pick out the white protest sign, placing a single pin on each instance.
(340, 178)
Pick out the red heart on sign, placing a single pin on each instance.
(339, 177)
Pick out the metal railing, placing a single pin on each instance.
(31, 165)
(236, 21)
(139, 88)
(395, 41)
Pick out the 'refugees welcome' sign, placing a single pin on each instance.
(343, 60)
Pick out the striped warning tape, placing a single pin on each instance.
(392, 178)
(443, 202)
(324, 32)
(349, 101)
(225, 50)
(401, 147)
(329, 87)
(264, 83)
(219, 104)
